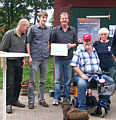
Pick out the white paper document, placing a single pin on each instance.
(59, 49)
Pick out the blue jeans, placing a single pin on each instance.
(83, 85)
(42, 67)
(62, 70)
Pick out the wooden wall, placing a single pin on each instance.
(66, 5)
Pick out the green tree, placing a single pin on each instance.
(38, 5)
(13, 10)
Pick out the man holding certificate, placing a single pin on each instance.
(63, 40)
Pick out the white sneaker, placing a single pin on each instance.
(55, 102)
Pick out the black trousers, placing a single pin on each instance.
(13, 80)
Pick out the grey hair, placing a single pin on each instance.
(103, 30)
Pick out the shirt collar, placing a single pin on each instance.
(38, 25)
(15, 32)
(68, 28)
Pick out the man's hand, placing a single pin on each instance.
(2, 64)
(85, 77)
(30, 61)
(69, 45)
(24, 62)
(114, 58)
(80, 73)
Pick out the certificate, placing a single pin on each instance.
(59, 49)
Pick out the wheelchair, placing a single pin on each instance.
(96, 82)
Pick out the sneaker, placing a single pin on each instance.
(44, 104)
(31, 106)
(18, 104)
(55, 102)
(9, 108)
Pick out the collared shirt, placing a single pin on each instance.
(11, 42)
(38, 39)
(85, 61)
(59, 36)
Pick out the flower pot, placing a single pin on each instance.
(24, 89)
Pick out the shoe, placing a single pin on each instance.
(55, 102)
(44, 104)
(98, 112)
(18, 104)
(9, 108)
(31, 106)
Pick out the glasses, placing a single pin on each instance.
(64, 18)
(87, 40)
(103, 34)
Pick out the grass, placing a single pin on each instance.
(26, 75)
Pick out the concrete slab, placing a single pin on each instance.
(51, 113)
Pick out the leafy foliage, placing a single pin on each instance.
(26, 75)
(13, 10)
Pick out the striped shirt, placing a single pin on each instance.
(85, 61)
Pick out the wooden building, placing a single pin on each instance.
(83, 8)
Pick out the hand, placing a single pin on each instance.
(85, 77)
(114, 58)
(24, 62)
(30, 61)
(2, 64)
(69, 45)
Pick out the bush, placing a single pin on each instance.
(26, 75)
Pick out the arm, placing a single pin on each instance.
(5, 43)
(113, 46)
(2, 63)
(75, 42)
(69, 45)
(80, 73)
(28, 51)
(28, 40)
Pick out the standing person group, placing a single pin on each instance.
(14, 41)
(38, 40)
(63, 34)
(37, 47)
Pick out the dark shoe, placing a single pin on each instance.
(18, 104)
(44, 104)
(31, 106)
(98, 112)
(9, 108)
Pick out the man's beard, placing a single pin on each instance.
(88, 47)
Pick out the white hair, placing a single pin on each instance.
(103, 30)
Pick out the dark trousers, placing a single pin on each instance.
(13, 80)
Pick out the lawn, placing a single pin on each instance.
(26, 75)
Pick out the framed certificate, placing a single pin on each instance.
(59, 49)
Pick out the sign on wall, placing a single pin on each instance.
(91, 26)
(112, 29)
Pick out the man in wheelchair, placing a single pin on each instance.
(85, 60)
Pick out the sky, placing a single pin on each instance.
(50, 13)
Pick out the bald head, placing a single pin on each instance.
(23, 21)
(23, 25)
